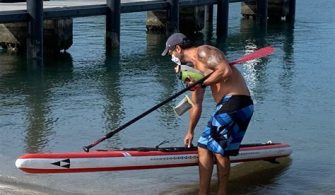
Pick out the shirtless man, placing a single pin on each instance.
(228, 123)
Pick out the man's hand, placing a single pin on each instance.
(189, 81)
(188, 139)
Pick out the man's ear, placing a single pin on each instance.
(178, 48)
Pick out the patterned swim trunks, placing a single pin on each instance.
(227, 125)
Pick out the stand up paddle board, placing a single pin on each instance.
(137, 158)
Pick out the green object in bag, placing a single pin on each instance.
(188, 73)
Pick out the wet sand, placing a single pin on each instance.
(16, 190)
(9, 186)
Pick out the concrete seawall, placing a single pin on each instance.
(57, 35)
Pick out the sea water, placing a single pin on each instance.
(86, 92)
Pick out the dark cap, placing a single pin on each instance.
(173, 40)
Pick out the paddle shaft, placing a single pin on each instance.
(256, 54)
(110, 134)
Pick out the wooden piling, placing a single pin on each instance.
(113, 24)
(208, 16)
(208, 29)
(222, 18)
(172, 24)
(262, 13)
(290, 17)
(35, 32)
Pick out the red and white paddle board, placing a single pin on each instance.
(137, 158)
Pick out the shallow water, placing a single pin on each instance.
(83, 94)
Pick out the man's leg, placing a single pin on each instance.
(223, 166)
(205, 170)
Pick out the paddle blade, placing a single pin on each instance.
(256, 54)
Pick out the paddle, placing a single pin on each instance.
(256, 54)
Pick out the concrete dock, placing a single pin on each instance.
(58, 4)
(62, 4)
(34, 12)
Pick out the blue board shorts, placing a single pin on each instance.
(227, 125)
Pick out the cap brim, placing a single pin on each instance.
(165, 51)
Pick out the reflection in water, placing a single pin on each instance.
(29, 88)
(288, 61)
(249, 39)
(39, 124)
(155, 44)
(249, 177)
(255, 72)
(113, 108)
(39, 118)
(287, 74)
(254, 176)
(250, 32)
(9, 63)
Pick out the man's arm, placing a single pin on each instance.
(195, 113)
(214, 60)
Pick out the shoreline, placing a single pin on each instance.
(263, 170)
(15, 190)
(10, 186)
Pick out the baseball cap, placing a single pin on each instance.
(173, 40)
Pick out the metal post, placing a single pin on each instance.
(291, 11)
(262, 13)
(35, 32)
(172, 24)
(222, 18)
(113, 24)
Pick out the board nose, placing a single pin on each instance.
(19, 163)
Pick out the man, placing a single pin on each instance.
(226, 127)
